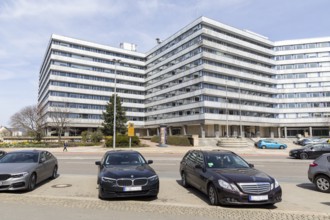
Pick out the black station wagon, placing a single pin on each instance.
(228, 179)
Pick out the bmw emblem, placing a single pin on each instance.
(132, 176)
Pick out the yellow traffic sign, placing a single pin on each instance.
(130, 131)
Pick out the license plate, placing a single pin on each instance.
(258, 198)
(132, 188)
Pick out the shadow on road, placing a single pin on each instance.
(309, 186)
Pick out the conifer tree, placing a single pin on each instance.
(121, 119)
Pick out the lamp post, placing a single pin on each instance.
(116, 61)
(240, 108)
(227, 126)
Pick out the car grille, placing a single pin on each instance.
(255, 188)
(132, 182)
(4, 176)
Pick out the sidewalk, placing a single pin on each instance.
(170, 149)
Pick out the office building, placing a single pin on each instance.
(208, 79)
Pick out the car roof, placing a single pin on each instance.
(26, 151)
(121, 151)
(210, 152)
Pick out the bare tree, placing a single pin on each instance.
(30, 119)
(60, 120)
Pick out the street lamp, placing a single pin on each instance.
(227, 126)
(240, 108)
(116, 61)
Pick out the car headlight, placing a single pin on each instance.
(108, 180)
(294, 152)
(153, 178)
(228, 186)
(19, 175)
(274, 185)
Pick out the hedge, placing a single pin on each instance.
(173, 140)
(122, 141)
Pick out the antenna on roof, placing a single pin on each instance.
(158, 40)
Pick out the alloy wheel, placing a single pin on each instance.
(323, 183)
(32, 182)
(54, 175)
(303, 156)
(212, 194)
(184, 180)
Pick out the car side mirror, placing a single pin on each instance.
(150, 161)
(98, 163)
(42, 160)
(251, 165)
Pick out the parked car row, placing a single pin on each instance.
(223, 176)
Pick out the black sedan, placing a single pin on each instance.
(228, 179)
(2, 153)
(126, 174)
(310, 151)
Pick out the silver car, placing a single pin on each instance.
(319, 173)
(23, 170)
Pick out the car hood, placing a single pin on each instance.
(243, 175)
(128, 171)
(300, 149)
(6, 168)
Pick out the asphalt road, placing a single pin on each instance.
(73, 195)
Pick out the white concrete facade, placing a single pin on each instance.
(208, 79)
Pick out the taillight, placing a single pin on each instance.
(313, 164)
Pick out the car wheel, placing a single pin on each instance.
(54, 174)
(212, 194)
(281, 147)
(32, 182)
(101, 193)
(322, 183)
(263, 147)
(303, 156)
(184, 180)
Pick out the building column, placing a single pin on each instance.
(311, 131)
(220, 130)
(272, 133)
(170, 131)
(158, 132)
(279, 132)
(217, 130)
(49, 132)
(285, 132)
(184, 129)
(257, 131)
(147, 132)
(202, 130)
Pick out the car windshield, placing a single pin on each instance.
(124, 159)
(20, 157)
(225, 161)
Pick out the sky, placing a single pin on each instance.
(26, 27)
